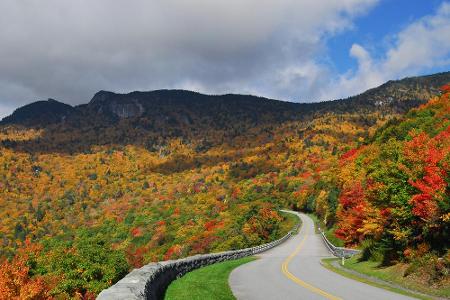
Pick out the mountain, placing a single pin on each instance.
(393, 96)
(180, 108)
(40, 113)
(152, 119)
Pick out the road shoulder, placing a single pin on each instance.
(333, 264)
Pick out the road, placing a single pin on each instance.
(293, 271)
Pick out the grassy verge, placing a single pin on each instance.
(389, 278)
(394, 274)
(329, 233)
(209, 282)
(289, 222)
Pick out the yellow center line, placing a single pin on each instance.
(284, 269)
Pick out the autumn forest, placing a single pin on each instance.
(87, 193)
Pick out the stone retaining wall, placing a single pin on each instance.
(152, 280)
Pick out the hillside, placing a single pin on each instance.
(151, 119)
(393, 195)
(40, 113)
(92, 191)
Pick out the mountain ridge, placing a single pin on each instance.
(33, 113)
(116, 106)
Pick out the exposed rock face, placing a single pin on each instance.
(127, 110)
(119, 105)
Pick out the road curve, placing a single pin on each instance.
(293, 271)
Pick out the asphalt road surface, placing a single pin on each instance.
(293, 271)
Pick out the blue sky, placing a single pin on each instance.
(295, 50)
(390, 40)
(375, 29)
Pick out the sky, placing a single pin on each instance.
(293, 50)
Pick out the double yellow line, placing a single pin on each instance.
(285, 270)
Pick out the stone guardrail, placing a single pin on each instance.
(340, 252)
(152, 280)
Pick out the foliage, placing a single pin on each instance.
(97, 199)
(402, 203)
(16, 280)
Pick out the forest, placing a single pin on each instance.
(85, 200)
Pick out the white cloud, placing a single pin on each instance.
(363, 57)
(68, 50)
(421, 46)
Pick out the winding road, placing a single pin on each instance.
(293, 271)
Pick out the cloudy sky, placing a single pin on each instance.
(296, 50)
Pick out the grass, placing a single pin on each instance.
(389, 278)
(290, 222)
(210, 282)
(327, 263)
(394, 274)
(329, 233)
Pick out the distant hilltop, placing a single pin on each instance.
(183, 107)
